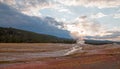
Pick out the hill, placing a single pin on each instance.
(12, 35)
(100, 42)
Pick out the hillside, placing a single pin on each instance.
(12, 35)
(100, 42)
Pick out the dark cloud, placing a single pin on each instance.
(10, 17)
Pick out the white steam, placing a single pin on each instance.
(81, 28)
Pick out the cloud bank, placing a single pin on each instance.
(29, 7)
(92, 3)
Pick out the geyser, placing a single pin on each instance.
(76, 47)
(81, 28)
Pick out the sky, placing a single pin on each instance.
(91, 19)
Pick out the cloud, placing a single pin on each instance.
(117, 15)
(65, 10)
(33, 7)
(82, 27)
(98, 15)
(91, 3)
(29, 7)
(10, 2)
(113, 35)
(85, 28)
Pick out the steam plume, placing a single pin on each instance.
(79, 29)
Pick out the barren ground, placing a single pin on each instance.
(51, 56)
